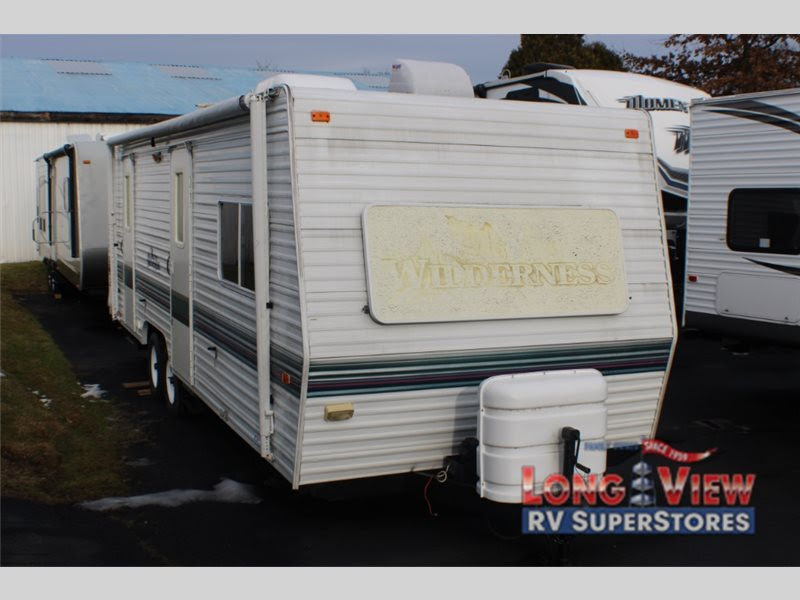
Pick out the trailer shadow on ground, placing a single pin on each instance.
(220, 504)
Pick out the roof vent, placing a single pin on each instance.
(77, 67)
(185, 72)
(431, 78)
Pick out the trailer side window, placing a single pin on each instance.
(236, 244)
(179, 200)
(764, 220)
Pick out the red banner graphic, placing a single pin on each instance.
(663, 449)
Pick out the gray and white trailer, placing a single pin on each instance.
(743, 267)
(71, 224)
(356, 282)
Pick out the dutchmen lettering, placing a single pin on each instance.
(420, 273)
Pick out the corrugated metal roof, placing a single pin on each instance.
(60, 85)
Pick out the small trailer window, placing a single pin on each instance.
(127, 198)
(236, 244)
(178, 206)
(764, 220)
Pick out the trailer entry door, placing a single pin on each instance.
(181, 304)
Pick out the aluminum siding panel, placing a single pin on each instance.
(152, 199)
(398, 149)
(727, 153)
(224, 314)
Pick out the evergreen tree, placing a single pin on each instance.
(566, 49)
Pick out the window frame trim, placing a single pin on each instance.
(729, 221)
(182, 242)
(227, 282)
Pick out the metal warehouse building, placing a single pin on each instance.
(45, 102)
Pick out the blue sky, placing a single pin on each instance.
(481, 55)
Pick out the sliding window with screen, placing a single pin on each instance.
(236, 244)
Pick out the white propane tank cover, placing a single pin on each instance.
(520, 421)
(431, 78)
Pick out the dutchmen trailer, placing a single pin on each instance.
(71, 225)
(743, 268)
(667, 103)
(358, 282)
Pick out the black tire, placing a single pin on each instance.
(53, 282)
(176, 397)
(156, 363)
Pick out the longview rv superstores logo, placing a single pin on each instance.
(718, 503)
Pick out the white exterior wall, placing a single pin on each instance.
(20, 145)
(730, 152)
(223, 313)
(400, 149)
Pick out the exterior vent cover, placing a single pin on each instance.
(186, 72)
(78, 67)
(430, 78)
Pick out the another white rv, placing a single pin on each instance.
(667, 103)
(71, 225)
(743, 269)
(351, 279)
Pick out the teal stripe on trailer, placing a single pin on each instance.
(459, 371)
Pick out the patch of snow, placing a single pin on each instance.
(45, 400)
(92, 390)
(226, 490)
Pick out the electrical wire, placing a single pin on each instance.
(425, 495)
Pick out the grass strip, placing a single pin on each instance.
(55, 446)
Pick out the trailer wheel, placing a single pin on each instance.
(53, 282)
(175, 395)
(156, 361)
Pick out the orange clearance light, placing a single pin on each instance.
(286, 378)
(693, 278)
(320, 116)
(87, 162)
(632, 134)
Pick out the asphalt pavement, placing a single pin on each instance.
(741, 400)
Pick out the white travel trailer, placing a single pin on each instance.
(349, 279)
(667, 103)
(71, 225)
(743, 268)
